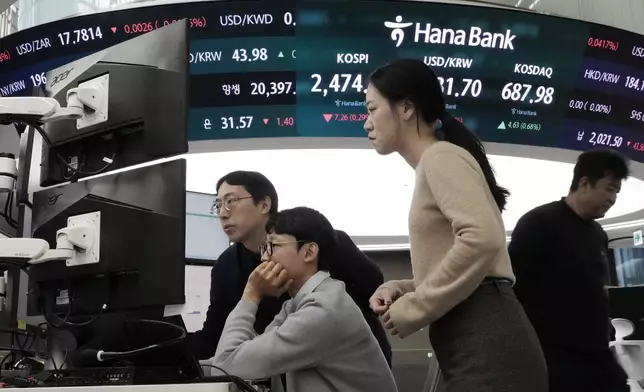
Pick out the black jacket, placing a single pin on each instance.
(229, 276)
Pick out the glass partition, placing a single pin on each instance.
(629, 265)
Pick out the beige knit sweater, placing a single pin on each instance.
(457, 238)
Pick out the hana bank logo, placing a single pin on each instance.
(398, 34)
(435, 35)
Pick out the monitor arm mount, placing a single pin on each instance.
(77, 244)
(40, 110)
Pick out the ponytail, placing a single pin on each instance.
(456, 132)
(412, 80)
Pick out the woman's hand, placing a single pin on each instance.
(389, 323)
(381, 300)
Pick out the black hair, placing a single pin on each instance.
(597, 164)
(255, 183)
(413, 81)
(307, 225)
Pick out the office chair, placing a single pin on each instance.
(629, 353)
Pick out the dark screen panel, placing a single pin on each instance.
(300, 68)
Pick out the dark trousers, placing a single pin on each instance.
(573, 371)
(487, 344)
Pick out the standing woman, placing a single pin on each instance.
(462, 284)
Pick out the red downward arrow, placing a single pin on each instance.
(628, 143)
(113, 29)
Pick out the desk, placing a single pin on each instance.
(212, 387)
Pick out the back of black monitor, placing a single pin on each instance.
(147, 90)
(142, 243)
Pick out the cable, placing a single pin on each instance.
(11, 223)
(50, 322)
(22, 344)
(41, 302)
(48, 317)
(23, 267)
(64, 161)
(19, 332)
(7, 211)
(2, 363)
(13, 350)
(74, 170)
(9, 208)
(57, 369)
(65, 321)
(107, 355)
(239, 382)
(12, 354)
(62, 323)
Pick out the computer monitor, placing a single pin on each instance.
(144, 116)
(205, 238)
(115, 305)
(142, 243)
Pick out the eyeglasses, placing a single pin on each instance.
(228, 204)
(268, 246)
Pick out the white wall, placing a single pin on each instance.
(624, 14)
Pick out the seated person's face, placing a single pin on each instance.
(287, 251)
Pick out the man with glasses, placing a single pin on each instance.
(245, 202)
(318, 339)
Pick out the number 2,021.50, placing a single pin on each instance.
(81, 35)
(604, 139)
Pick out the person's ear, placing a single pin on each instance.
(408, 110)
(266, 205)
(584, 184)
(312, 251)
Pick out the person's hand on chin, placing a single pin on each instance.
(269, 279)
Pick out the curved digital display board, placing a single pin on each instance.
(299, 68)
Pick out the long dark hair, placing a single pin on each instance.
(413, 81)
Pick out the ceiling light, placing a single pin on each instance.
(624, 225)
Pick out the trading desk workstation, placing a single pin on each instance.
(106, 258)
(113, 90)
